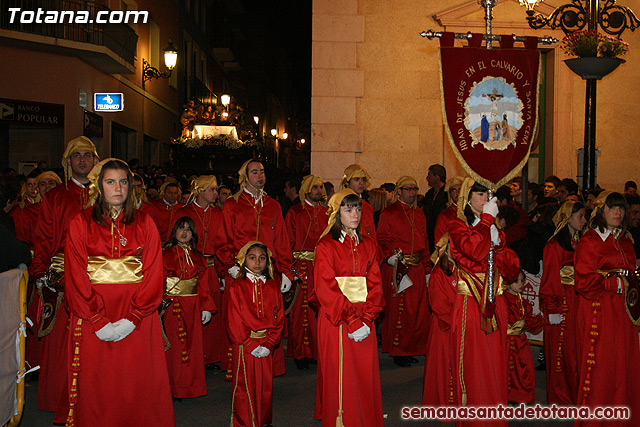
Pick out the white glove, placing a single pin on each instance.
(495, 236)
(264, 351)
(206, 316)
(491, 207)
(123, 327)
(41, 282)
(360, 334)
(257, 352)
(556, 319)
(285, 285)
(392, 260)
(108, 333)
(222, 284)
(233, 271)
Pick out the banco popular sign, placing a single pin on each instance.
(27, 113)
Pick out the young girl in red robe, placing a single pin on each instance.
(608, 349)
(348, 288)
(113, 287)
(187, 287)
(255, 319)
(559, 303)
(521, 373)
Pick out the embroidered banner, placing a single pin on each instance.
(490, 108)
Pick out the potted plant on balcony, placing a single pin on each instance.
(597, 54)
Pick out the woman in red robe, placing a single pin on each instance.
(348, 288)
(479, 326)
(559, 302)
(438, 368)
(187, 281)
(521, 379)
(255, 319)
(608, 349)
(113, 263)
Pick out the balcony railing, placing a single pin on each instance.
(121, 39)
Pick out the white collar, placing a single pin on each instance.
(309, 203)
(138, 204)
(256, 199)
(78, 183)
(475, 222)
(343, 234)
(195, 202)
(167, 203)
(255, 277)
(602, 235)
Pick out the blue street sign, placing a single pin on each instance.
(108, 102)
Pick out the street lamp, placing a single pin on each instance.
(170, 60)
(226, 100)
(285, 135)
(302, 141)
(572, 17)
(256, 119)
(274, 132)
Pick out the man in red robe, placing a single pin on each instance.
(252, 215)
(200, 208)
(450, 213)
(305, 223)
(57, 209)
(402, 236)
(163, 209)
(140, 191)
(358, 179)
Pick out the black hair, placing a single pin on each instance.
(180, 223)
(351, 201)
(570, 185)
(564, 236)
(266, 271)
(630, 184)
(328, 186)
(9, 189)
(536, 190)
(509, 214)
(632, 199)
(504, 193)
(554, 180)
(440, 171)
(468, 213)
(613, 200)
(387, 186)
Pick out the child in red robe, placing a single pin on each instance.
(521, 373)
(255, 319)
(186, 278)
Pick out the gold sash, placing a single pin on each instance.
(57, 263)
(181, 287)
(210, 260)
(567, 275)
(103, 270)
(304, 255)
(413, 259)
(465, 289)
(353, 287)
(262, 333)
(516, 328)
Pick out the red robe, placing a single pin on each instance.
(57, 208)
(253, 307)
(183, 323)
(361, 392)
(305, 224)
(608, 349)
(482, 370)
(518, 231)
(439, 365)
(124, 382)
(559, 340)
(521, 377)
(405, 326)
(245, 221)
(25, 220)
(163, 215)
(210, 238)
(442, 223)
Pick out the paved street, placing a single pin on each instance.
(293, 403)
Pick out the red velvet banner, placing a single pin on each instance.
(490, 106)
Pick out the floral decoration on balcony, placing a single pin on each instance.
(590, 43)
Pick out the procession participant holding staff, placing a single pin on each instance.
(559, 303)
(479, 324)
(255, 320)
(608, 349)
(113, 289)
(305, 223)
(208, 219)
(402, 236)
(347, 282)
(57, 209)
(187, 292)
